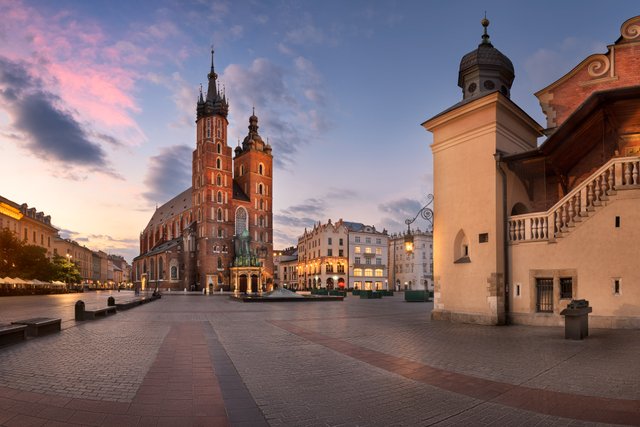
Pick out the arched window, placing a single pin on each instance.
(241, 220)
(261, 169)
(152, 268)
(219, 180)
(144, 267)
(219, 214)
(218, 163)
(519, 209)
(261, 221)
(219, 262)
(261, 204)
(160, 269)
(199, 215)
(219, 148)
(260, 188)
(219, 196)
(241, 170)
(174, 273)
(461, 248)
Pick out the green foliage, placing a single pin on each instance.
(65, 271)
(10, 252)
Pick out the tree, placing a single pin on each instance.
(34, 264)
(65, 270)
(10, 251)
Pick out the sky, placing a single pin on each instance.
(98, 98)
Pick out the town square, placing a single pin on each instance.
(319, 214)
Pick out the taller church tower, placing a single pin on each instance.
(212, 184)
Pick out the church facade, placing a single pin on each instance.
(217, 234)
(521, 229)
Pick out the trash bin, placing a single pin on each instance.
(576, 319)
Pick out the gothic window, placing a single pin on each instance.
(152, 268)
(218, 163)
(219, 262)
(260, 188)
(219, 196)
(220, 233)
(219, 180)
(261, 221)
(241, 220)
(160, 269)
(241, 170)
(219, 128)
(261, 169)
(219, 214)
(208, 128)
(261, 205)
(219, 148)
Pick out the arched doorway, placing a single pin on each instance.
(329, 283)
(254, 283)
(243, 283)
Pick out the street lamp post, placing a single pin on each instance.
(427, 214)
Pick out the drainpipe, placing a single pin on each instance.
(505, 235)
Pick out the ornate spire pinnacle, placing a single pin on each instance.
(485, 37)
(200, 98)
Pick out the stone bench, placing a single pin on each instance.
(101, 312)
(125, 305)
(11, 334)
(40, 326)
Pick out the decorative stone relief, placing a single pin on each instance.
(630, 30)
(599, 65)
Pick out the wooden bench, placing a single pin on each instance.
(101, 312)
(11, 334)
(40, 326)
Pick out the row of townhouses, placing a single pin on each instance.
(97, 268)
(355, 256)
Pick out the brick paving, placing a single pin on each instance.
(206, 360)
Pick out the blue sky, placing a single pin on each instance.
(98, 98)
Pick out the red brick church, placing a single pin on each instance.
(218, 233)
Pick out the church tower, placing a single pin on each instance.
(253, 172)
(212, 184)
(469, 184)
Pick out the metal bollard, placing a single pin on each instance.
(79, 309)
(111, 301)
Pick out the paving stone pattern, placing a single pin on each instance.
(207, 360)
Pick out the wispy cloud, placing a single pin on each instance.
(169, 173)
(548, 64)
(287, 101)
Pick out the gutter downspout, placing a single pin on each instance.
(505, 235)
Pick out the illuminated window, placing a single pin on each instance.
(378, 272)
(368, 272)
(367, 250)
(357, 249)
(378, 251)
(357, 272)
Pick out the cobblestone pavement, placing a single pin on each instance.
(207, 360)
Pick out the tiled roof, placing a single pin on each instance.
(175, 206)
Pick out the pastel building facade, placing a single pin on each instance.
(411, 270)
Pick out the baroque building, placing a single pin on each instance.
(218, 233)
(342, 255)
(553, 222)
(27, 224)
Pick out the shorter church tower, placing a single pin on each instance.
(253, 171)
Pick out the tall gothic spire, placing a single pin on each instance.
(216, 101)
(212, 90)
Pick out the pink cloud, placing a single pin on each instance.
(78, 63)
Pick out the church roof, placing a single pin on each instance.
(162, 247)
(175, 206)
(238, 193)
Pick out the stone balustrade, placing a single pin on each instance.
(617, 174)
